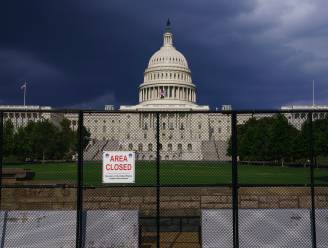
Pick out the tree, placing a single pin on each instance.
(8, 139)
(266, 139)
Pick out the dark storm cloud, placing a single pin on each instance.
(251, 54)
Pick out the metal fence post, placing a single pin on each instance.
(234, 179)
(79, 192)
(1, 155)
(311, 153)
(158, 182)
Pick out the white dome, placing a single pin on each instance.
(168, 56)
(167, 79)
(167, 83)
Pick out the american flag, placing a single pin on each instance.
(162, 93)
(23, 86)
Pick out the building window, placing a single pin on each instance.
(171, 126)
(150, 147)
(164, 125)
(130, 146)
(219, 130)
(181, 126)
(140, 147)
(145, 136)
(189, 147)
(169, 147)
(104, 129)
(179, 147)
(160, 146)
(199, 126)
(128, 136)
(145, 126)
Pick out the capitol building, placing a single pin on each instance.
(188, 131)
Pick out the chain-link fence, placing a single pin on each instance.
(201, 179)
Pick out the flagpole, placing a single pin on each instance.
(313, 93)
(25, 94)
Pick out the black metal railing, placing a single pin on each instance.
(208, 173)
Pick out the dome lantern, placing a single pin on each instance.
(168, 37)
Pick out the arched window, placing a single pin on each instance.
(179, 147)
(150, 147)
(164, 125)
(189, 147)
(140, 147)
(130, 146)
(181, 126)
(169, 147)
(160, 146)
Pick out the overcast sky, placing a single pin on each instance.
(82, 53)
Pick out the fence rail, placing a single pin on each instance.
(189, 173)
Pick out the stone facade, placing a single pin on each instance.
(173, 201)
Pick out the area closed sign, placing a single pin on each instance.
(118, 167)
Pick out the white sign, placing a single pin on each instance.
(118, 167)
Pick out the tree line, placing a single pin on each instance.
(41, 140)
(274, 139)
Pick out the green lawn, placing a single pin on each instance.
(200, 172)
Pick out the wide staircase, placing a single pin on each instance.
(94, 150)
(214, 150)
(209, 150)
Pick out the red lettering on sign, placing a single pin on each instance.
(119, 158)
(118, 167)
